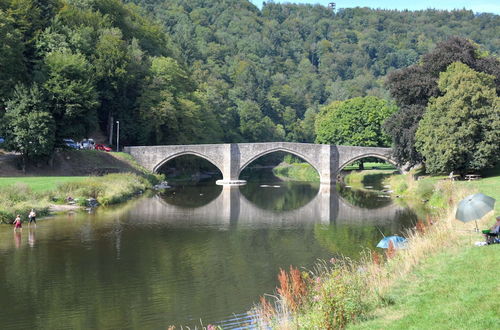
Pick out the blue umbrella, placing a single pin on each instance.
(398, 242)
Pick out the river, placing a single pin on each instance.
(192, 256)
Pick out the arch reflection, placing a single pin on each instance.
(231, 208)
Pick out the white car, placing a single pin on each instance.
(88, 144)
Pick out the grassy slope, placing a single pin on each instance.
(296, 171)
(18, 194)
(41, 183)
(451, 290)
(489, 186)
(359, 179)
(456, 289)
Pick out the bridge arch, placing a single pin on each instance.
(278, 149)
(186, 153)
(371, 154)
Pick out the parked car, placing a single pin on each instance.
(88, 144)
(102, 147)
(70, 143)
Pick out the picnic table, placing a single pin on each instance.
(470, 177)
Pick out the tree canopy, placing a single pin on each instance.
(414, 86)
(460, 129)
(356, 122)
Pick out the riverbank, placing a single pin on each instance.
(402, 288)
(46, 194)
(72, 192)
(296, 171)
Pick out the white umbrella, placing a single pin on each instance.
(474, 207)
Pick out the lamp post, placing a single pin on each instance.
(117, 135)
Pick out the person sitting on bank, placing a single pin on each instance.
(32, 217)
(494, 233)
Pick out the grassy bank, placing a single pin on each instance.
(19, 195)
(84, 179)
(375, 178)
(297, 172)
(453, 289)
(40, 183)
(439, 274)
(301, 171)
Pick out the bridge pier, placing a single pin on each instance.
(231, 166)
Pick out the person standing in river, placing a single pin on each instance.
(17, 223)
(32, 218)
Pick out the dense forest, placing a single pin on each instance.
(199, 71)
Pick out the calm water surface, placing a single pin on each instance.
(191, 253)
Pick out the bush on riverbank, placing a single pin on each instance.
(333, 297)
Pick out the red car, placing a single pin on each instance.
(102, 147)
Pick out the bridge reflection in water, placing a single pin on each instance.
(232, 208)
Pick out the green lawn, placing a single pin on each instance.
(41, 183)
(489, 186)
(451, 290)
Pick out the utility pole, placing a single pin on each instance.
(117, 135)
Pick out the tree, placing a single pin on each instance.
(71, 93)
(414, 86)
(402, 126)
(171, 110)
(12, 66)
(460, 130)
(355, 122)
(254, 126)
(28, 128)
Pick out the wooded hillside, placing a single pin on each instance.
(200, 71)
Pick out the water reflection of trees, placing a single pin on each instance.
(282, 196)
(363, 198)
(351, 239)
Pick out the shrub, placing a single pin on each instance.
(339, 299)
(401, 188)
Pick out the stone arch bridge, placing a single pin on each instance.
(232, 158)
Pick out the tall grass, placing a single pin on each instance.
(108, 189)
(341, 292)
(20, 199)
